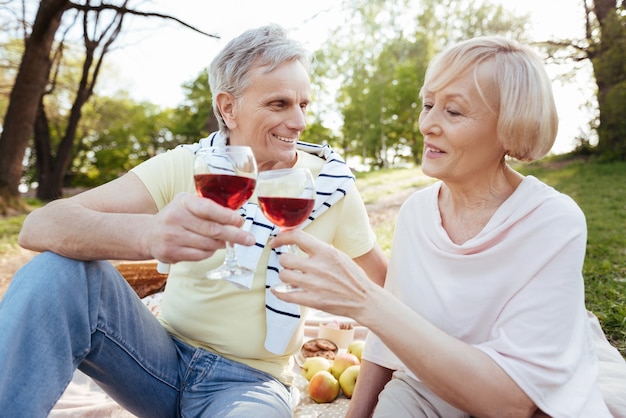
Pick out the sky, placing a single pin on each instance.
(154, 58)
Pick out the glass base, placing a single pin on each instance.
(228, 272)
(285, 288)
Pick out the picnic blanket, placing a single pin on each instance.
(84, 399)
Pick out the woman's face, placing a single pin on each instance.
(271, 115)
(460, 131)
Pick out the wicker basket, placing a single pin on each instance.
(142, 276)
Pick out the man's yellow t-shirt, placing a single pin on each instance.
(214, 314)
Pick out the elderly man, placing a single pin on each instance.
(215, 350)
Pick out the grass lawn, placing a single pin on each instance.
(10, 228)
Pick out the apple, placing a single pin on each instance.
(313, 365)
(356, 348)
(341, 362)
(323, 387)
(347, 380)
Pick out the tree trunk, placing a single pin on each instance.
(28, 89)
(51, 181)
(43, 153)
(608, 60)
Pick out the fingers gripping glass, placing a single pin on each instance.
(226, 175)
(286, 198)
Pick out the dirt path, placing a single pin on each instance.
(10, 262)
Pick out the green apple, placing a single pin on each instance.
(323, 387)
(341, 362)
(356, 348)
(313, 365)
(347, 380)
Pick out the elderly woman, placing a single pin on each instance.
(483, 310)
(215, 350)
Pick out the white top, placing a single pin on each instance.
(514, 291)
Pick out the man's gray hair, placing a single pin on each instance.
(267, 46)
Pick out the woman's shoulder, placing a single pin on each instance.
(542, 205)
(546, 197)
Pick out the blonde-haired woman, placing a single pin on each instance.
(483, 310)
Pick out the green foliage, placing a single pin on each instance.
(400, 114)
(377, 59)
(609, 60)
(9, 230)
(449, 21)
(381, 56)
(10, 227)
(193, 119)
(116, 134)
(612, 129)
(317, 133)
(11, 51)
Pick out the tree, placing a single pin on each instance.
(11, 52)
(402, 106)
(606, 51)
(116, 134)
(27, 105)
(603, 45)
(353, 55)
(30, 83)
(317, 133)
(382, 64)
(194, 118)
(51, 171)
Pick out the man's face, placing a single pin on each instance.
(271, 114)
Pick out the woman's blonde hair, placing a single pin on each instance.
(520, 91)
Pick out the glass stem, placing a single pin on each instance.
(230, 259)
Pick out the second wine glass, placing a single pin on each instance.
(286, 197)
(226, 175)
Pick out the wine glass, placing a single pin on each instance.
(226, 175)
(286, 197)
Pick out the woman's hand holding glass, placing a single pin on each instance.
(286, 197)
(331, 280)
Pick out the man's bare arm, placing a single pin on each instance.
(119, 220)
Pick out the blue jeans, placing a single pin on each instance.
(61, 314)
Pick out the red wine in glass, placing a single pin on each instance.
(226, 175)
(225, 189)
(286, 197)
(286, 212)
